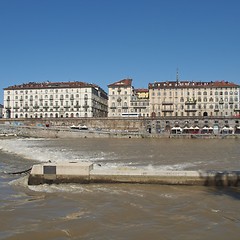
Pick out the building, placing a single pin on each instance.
(140, 102)
(194, 99)
(119, 96)
(125, 101)
(54, 100)
(1, 110)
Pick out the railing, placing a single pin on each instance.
(167, 103)
(191, 102)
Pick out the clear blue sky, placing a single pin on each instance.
(103, 41)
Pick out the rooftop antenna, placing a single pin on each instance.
(177, 77)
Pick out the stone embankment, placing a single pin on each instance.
(7, 130)
(84, 172)
(64, 132)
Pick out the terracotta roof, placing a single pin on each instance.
(191, 84)
(122, 83)
(141, 90)
(46, 85)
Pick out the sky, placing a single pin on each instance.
(104, 41)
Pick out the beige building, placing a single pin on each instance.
(193, 99)
(54, 100)
(125, 101)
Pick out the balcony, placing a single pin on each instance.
(77, 106)
(191, 102)
(190, 110)
(167, 110)
(167, 103)
(85, 106)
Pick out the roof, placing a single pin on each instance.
(122, 83)
(141, 90)
(45, 85)
(191, 84)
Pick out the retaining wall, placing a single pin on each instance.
(85, 172)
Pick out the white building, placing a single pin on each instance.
(1, 110)
(54, 100)
(125, 101)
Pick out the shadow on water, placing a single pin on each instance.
(232, 192)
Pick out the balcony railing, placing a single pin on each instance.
(167, 110)
(190, 110)
(193, 102)
(167, 103)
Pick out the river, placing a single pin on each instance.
(118, 211)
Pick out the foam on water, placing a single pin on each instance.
(32, 149)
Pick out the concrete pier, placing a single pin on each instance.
(84, 172)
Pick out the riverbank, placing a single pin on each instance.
(66, 132)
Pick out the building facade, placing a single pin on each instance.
(194, 99)
(125, 101)
(54, 100)
(1, 110)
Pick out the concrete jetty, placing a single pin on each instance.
(84, 173)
